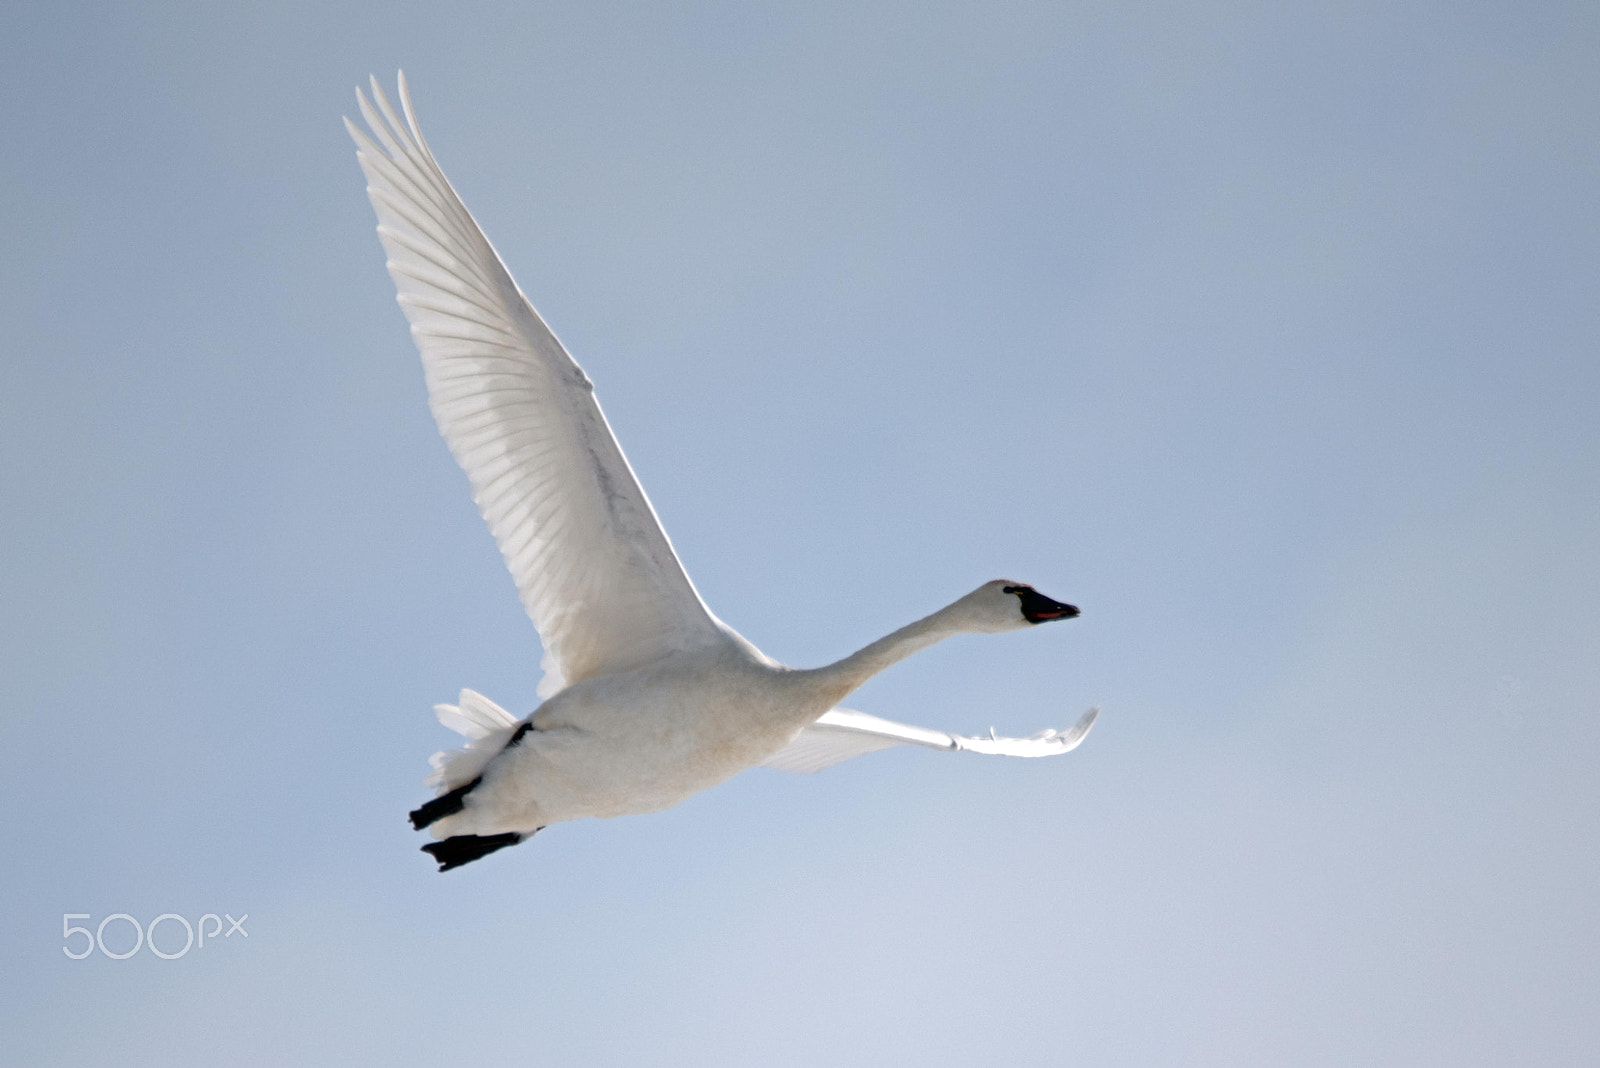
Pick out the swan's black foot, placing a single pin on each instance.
(443, 805)
(466, 848)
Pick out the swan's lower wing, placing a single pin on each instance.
(843, 733)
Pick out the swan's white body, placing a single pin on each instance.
(649, 697)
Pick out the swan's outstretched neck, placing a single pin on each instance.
(843, 677)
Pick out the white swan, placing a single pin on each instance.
(649, 697)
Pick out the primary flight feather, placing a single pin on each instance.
(649, 698)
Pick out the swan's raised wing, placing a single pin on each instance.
(842, 734)
(593, 566)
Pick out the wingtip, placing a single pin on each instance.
(1080, 730)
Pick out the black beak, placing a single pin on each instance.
(1036, 607)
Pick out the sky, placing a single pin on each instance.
(1264, 332)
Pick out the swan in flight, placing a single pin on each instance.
(648, 697)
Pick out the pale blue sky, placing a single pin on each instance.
(1264, 332)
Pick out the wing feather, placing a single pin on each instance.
(843, 733)
(594, 569)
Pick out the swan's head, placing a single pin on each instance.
(1007, 605)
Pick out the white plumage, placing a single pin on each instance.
(842, 733)
(649, 697)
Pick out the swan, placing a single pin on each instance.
(648, 697)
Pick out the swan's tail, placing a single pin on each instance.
(487, 728)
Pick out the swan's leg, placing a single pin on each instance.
(447, 804)
(465, 848)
